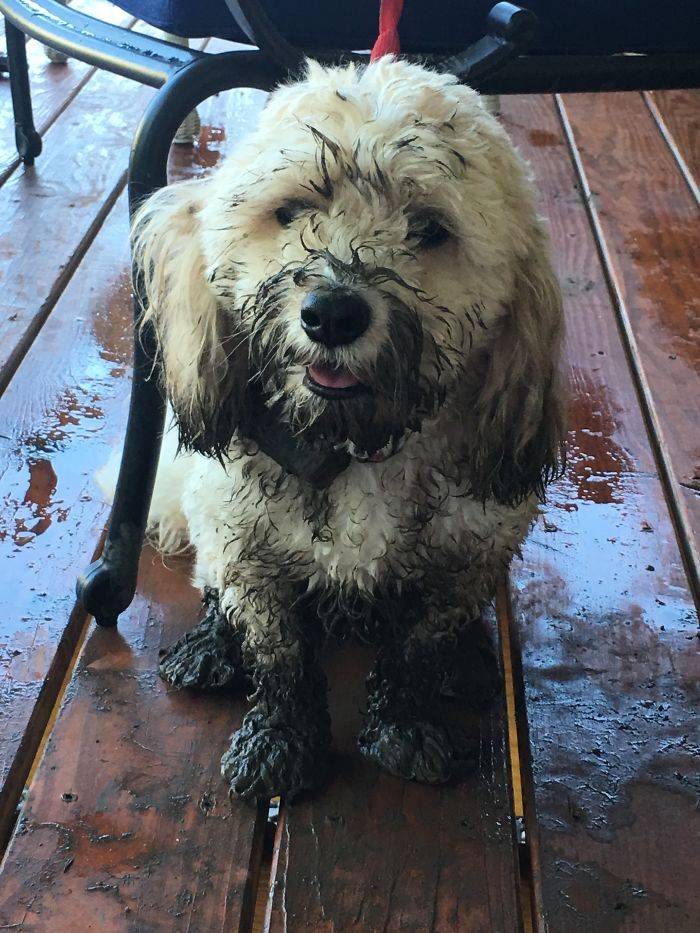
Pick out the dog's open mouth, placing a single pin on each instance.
(333, 382)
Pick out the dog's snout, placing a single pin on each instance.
(334, 316)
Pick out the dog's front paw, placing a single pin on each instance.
(264, 760)
(208, 658)
(419, 751)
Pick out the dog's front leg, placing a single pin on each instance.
(210, 656)
(282, 745)
(404, 732)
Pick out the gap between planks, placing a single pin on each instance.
(58, 702)
(44, 714)
(516, 741)
(520, 758)
(34, 327)
(553, 624)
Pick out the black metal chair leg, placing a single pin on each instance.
(108, 585)
(27, 139)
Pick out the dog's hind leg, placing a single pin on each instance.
(210, 656)
(472, 674)
(282, 745)
(404, 731)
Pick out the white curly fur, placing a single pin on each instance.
(360, 157)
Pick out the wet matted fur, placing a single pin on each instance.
(396, 501)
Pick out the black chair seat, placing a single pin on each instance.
(447, 26)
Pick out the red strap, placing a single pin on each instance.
(388, 39)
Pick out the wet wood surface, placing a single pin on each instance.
(127, 825)
(604, 618)
(53, 86)
(370, 852)
(680, 112)
(60, 417)
(62, 200)
(651, 224)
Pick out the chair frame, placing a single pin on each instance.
(495, 64)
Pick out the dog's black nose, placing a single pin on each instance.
(334, 316)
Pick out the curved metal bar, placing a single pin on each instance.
(511, 30)
(513, 23)
(108, 585)
(130, 54)
(252, 19)
(209, 75)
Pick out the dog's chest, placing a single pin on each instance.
(362, 531)
(394, 521)
(376, 521)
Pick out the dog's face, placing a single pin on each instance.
(369, 256)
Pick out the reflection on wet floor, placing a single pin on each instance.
(38, 511)
(665, 259)
(542, 138)
(595, 462)
(235, 113)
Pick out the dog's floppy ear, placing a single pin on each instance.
(205, 360)
(514, 418)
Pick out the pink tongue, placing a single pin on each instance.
(340, 378)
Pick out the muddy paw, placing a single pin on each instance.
(208, 658)
(264, 761)
(422, 751)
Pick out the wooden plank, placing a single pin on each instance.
(604, 619)
(680, 115)
(128, 825)
(651, 224)
(53, 86)
(370, 852)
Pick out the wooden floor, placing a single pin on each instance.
(584, 815)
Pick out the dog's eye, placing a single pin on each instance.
(289, 211)
(426, 230)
